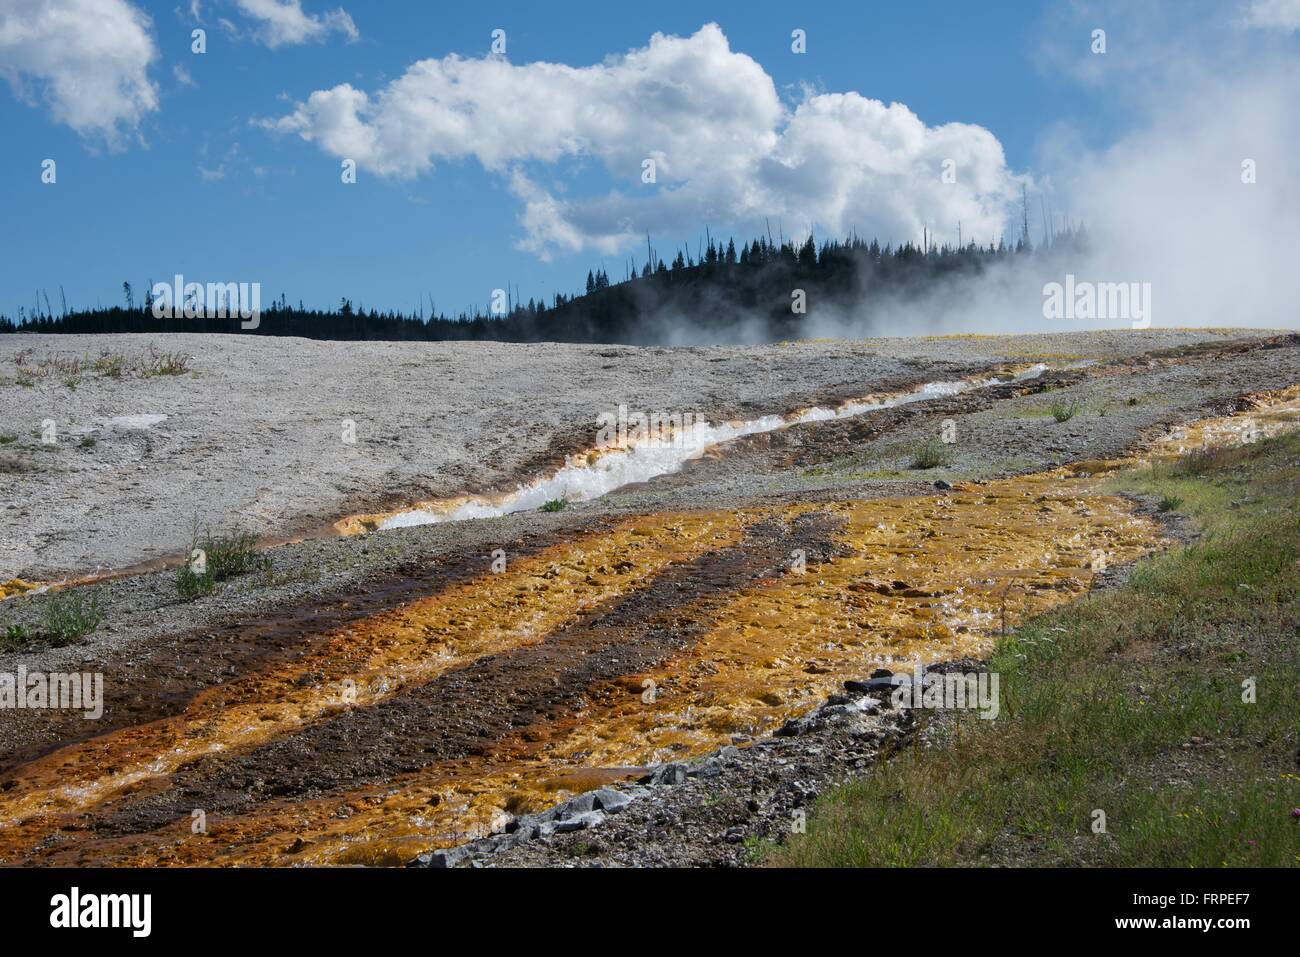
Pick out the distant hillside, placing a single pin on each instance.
(758, 287)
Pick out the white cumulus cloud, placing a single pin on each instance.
(726, 149)
(283, 22)
(87, 59)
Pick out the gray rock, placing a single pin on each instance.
(578, 805)
(449, 857)
(497, 843)
(579, 822)
(875, 685)
(669, 774)
(611, 801)
(792, 727)
(834, 711)
(527, 830)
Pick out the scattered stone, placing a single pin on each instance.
(836, 711)
(578, 805)
(791, 728)
(611, 801)
(447, 857)
(669, 774)
(874, 685)
(579, 822)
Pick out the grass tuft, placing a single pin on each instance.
(225, 555)
(15, 636)
(1063, 410)
(931, 454)
(162, 363)
(70, 615)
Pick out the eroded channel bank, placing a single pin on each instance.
(602, 469)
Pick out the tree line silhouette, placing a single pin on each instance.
(717, 286)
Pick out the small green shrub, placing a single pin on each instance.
(1169, 503)
(555, 505)
(191, 585)
(70, 615)
(109, 364)
(930, 455)
(224, 556)
(15, 636)
(162, 363)
(1063, 410)
(233, 554)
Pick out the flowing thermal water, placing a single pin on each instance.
(601, 471)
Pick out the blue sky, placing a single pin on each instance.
(193, 183)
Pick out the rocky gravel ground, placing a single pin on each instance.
(718, 811)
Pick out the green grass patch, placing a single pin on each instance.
(1063, 410)
(14, 637)
(1169, 503)
(69, 615)
(1128, 702)
(929, 455)
(555, 505)
(217, 557)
